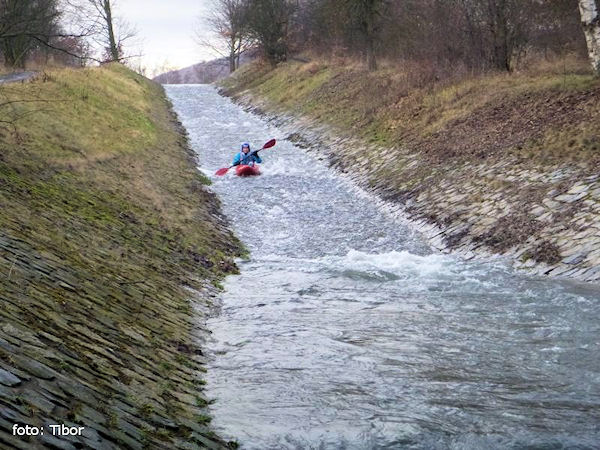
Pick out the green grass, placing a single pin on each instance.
(105, 158)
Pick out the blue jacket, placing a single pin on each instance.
(249, 159)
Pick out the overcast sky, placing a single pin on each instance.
(166, 30)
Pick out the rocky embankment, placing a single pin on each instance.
(477, 183)
(110, 251)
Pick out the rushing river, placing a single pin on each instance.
(345, 331)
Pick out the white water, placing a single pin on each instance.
(345, 331)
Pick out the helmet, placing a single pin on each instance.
(244, 145)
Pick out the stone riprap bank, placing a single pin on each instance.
(110, 251)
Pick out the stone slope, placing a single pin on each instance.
(110, 248)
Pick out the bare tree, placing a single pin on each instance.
(497, 31)
(442, 36)
(24, 26)
(228, 22)
(506, 20)
(109, 31)
(590, 19)
(366, 15)
(268, 23)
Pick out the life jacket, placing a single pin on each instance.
(242, 158)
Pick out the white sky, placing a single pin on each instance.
(166, 30)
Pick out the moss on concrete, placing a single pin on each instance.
(108, 238)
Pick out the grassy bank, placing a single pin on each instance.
(503, 163)
(105, 227)
(550, 114)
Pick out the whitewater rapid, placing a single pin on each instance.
(345, 331)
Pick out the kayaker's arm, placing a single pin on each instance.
(254, 153)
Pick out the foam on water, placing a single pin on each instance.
(399, 262)
(208, 172)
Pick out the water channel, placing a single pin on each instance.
(345, 331)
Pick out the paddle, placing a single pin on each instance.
(224, 170)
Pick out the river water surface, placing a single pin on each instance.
(345, 331)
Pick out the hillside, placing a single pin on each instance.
(201, 73)
(110, 248)
(498, 163)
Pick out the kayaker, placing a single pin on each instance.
(246, 157)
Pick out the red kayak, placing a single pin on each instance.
(247, 171)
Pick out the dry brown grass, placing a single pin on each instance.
(549, 111)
